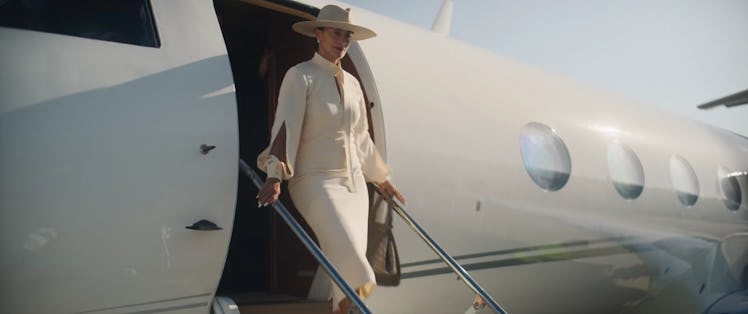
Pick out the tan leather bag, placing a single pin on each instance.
(381, 249)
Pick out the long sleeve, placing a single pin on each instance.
(372, 163)
(289, 116)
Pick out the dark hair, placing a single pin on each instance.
(316, 41)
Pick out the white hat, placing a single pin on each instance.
(335, 17)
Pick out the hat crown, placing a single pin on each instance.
(334, 17)
(334, 13)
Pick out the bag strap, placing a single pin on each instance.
(388, 210)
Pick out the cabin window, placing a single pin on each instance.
(123, 21)
(729, 188)
(626, 171)
(545, 156)
(685, 183)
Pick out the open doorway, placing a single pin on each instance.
(265, 258)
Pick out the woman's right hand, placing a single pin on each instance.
(269, 192)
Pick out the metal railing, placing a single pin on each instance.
(309, 243)
(482, 297)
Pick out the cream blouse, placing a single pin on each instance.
(324, 135)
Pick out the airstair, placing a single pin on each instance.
(290, 305)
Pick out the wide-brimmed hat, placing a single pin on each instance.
(335, 17)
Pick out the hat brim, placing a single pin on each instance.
(307, 28)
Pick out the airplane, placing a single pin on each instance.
(737, 99)
(122, 124)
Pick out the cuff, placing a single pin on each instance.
(274, 168)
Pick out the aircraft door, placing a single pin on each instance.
(119, 127)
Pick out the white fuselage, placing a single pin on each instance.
(101, 170)
(453, 118)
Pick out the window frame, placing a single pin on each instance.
(24, 22)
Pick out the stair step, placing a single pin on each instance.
(261, 303)
(304, 307)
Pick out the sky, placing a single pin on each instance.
(673, 54)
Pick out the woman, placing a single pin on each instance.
(320, 143)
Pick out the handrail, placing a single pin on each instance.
(456, 267)
(309, 243)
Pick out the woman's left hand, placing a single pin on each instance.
(388, 190)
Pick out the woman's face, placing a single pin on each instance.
(333, 43)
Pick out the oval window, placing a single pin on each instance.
(729, 188)
(685, 183)
(626, 170)
(544, 156)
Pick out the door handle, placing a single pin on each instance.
(204, 225)
(205, 149)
